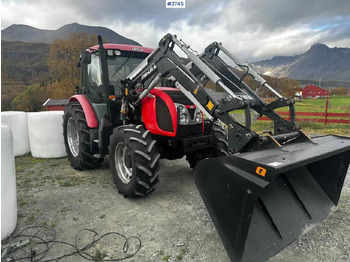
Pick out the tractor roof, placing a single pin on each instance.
(134, 48)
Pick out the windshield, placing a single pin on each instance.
(119, 67)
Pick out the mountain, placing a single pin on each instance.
(25, 33)
(319, 62)
(24, 63)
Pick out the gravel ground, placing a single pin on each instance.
(172, 222)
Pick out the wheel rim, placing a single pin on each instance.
(121, 157)
(72, 137)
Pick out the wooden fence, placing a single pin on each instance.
(323, 117)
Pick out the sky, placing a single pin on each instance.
(250, 29)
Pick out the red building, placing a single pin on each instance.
(312, 91)
(55, 104)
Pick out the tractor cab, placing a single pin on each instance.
(121, 61)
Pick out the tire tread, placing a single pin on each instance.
(146, 162)
(85, 159)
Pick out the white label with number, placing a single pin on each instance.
(175, 4)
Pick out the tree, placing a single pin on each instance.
(340, 91)
(31, 99)
(62, 60)
(290, 87)
(8, 93)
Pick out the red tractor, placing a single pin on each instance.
(102, 120)
(139, 105)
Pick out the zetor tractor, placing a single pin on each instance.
(139, 105)
(108, 116)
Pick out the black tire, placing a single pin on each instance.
(194, 157)
(81, 157)
(220, 146)
(137, 158)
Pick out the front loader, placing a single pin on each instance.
(139, 105)
(275, 187)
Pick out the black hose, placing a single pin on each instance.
(33, 254)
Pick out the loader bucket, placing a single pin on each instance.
(262, 201)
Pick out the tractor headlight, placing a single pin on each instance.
(198, 116)
(184, 119)
(184, 116)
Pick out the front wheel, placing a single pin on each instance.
(220, 146)
(134, 160)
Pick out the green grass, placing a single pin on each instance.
(65, 183)
(28, 160)
(31, 218)
(310, 128)
(180, 256)
(35, 172)
(99, 255)
(337, 104)
(54, 223)
(23, 201)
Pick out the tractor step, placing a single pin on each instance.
(262, 201)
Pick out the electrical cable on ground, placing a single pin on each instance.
(35, 252)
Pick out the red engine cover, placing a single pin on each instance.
(149, 111)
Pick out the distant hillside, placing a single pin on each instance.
(319, 62)
(25, 33)
(24, 63)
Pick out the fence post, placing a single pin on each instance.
(325, 115)
(289, 115)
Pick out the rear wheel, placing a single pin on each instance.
(77, 138)
(134, 160)
(220, 146)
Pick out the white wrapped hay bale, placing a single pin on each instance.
(8, 183)
(18, 123)
(45, 134)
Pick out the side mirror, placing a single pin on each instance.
(86, 57)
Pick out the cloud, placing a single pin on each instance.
(274, 15)
(252, 29)
(37, 13)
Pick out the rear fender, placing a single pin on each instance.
(87, 108)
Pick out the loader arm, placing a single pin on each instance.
(211, 57)
(164, 62)
(264, 198)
